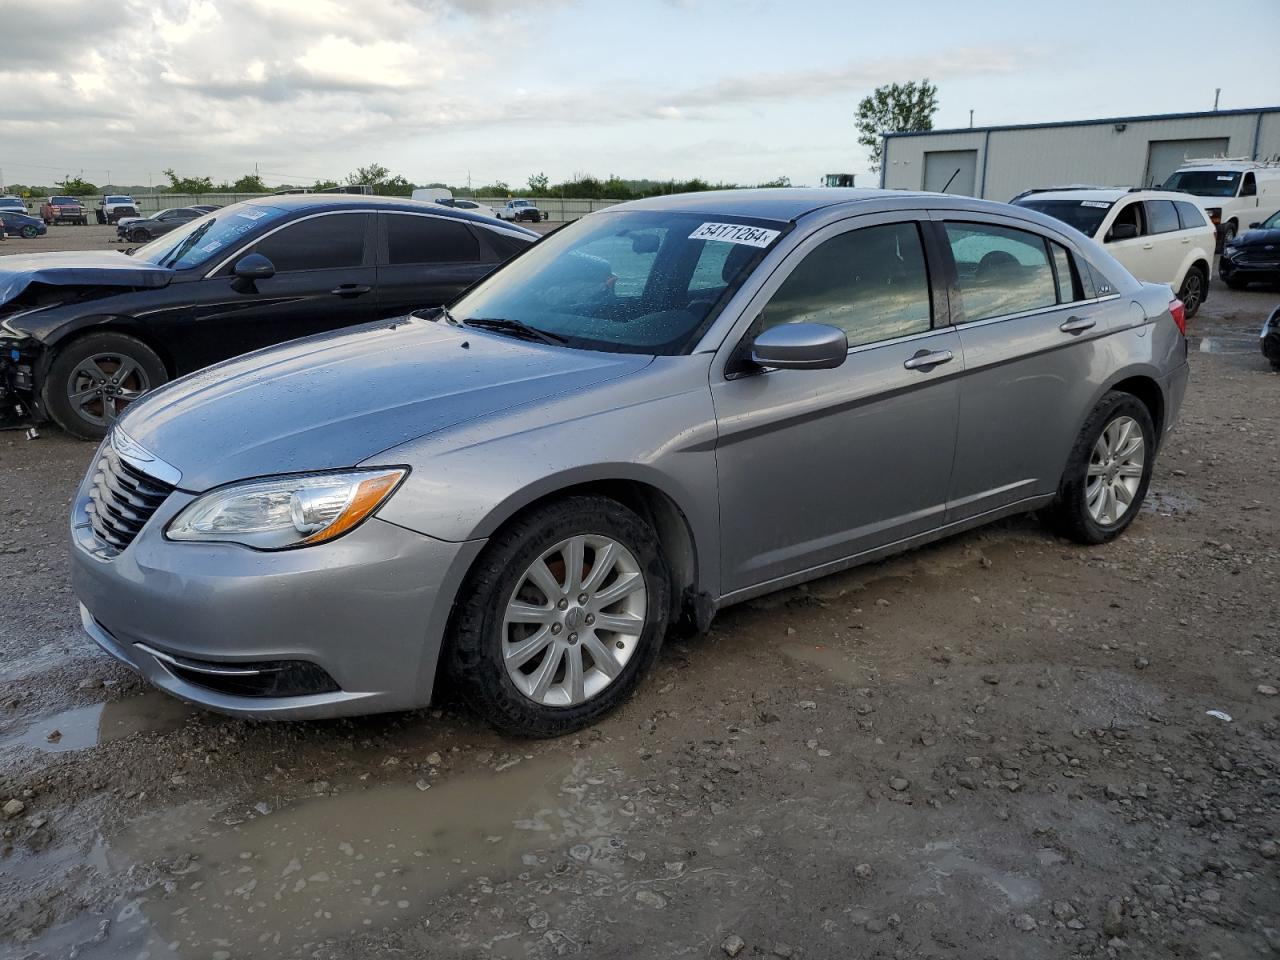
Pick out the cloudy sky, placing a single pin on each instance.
(499, 89)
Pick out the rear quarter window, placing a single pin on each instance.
(1189, 215)
(1162, 216)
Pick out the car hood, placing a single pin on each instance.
(338, 399)
(1253, 238)
(88, 268)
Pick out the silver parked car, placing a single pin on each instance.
(665, 408)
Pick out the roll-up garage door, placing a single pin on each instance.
(1166, 156)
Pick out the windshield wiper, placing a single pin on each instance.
(516, 328)
(436, 313)
(192, 239)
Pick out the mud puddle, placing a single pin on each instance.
(1228, 345)
(1168, 504)
(945, 867)
(85, 727)
(329, 868)
(842, 664)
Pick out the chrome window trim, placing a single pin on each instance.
(504, 229)
(277, 229)
(1031, 313)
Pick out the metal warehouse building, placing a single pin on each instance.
(998, 162)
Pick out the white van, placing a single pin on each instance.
(1235, 193)
(432, 194)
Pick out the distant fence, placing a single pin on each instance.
(558, 209)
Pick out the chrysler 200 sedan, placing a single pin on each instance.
(663, 409)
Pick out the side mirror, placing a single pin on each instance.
(800, 346)
(1255, 225)
(249, 269)
(1122, 231)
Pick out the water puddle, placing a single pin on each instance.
(86, 727)
(840, 663)
(1169, 504)
(1228, 345)
(944, 865)
(362, 861)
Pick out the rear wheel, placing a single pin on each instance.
(94, 379)
(1192, 292)
(138, 235)
(562, 616)
(1228, 232)
(1108, 471)
(29, 232)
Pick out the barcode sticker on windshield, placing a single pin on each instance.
(735, 233)
(1095, 203)
(1229, 176)
(252, 214)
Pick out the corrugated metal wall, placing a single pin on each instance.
(1010, 161)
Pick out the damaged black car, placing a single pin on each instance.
(84, 334)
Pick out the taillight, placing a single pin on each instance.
(1178, 310)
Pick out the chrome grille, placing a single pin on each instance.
(121, 499)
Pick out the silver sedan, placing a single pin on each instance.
(665, 408)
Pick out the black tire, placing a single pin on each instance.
(1229, 230)
(62, 377)
(102, 218)
(1194, 285)
(138, 235)
(29, 232)
(475, 662)
(1069, 514)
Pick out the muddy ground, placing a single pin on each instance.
(996, 747)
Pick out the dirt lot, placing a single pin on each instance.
(996, 747)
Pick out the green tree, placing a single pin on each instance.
(249, 183)
(324, 184)
(188, 184)
(894, 108)
(374, 175)
(76, 187)
(538, 184)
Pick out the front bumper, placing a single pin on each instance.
(370, 609)
(1249, 270)
(1175, 390)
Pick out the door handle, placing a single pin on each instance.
(1186, 239)
(926, 360)
(350, 289)
(1077, 324)
(1147, 246)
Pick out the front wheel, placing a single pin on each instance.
(138, 236)
(1108, 471)
(1192, 292)
(92, 380)
(29, 232)
(562, 616)
(1228, 232)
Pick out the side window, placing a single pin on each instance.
(1070, 288)
(1163, 216)
(414, 239)
(321, 243)
(999, 270)
(1102, 286)
(1130, 214)
(505, 245)
(1189, 215)
(1249, 188)
(872, 283)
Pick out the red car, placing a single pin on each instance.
(63, 210)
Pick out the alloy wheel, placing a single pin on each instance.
(102, 385)
(1115, 471)
(1192, 292)
(574, 620)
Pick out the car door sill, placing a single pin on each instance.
(888, 549)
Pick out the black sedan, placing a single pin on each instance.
(142, 229)
(84, 333)
(1253, 256)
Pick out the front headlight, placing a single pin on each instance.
(283, 512)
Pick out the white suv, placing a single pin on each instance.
(1160, 237)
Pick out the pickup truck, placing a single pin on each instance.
(114, 206)
(63, 210)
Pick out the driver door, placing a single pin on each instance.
(817, 466)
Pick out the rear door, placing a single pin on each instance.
(1032, 331)
(324, 280)
(1137, 254)
(426, 260)
(1169, 243)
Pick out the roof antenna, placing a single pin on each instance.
(1216, 92)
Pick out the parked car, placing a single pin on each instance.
(1234, 192)
(83, 334)
(142, 229)
(1158, 236)
(662, 409)
(521, 210)
(63, 210)
(1253, 256)
(15, 204)
(458, 203)
(1270, 339)
(22, 224)
(114, 206)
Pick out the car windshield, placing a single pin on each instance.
(60, 200)
(1205, 183)
(199, 240)
(1272, 222)
(627, 281)
(119, 199)
(1085, 215)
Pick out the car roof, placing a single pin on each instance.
(770, 203)
(1108, 196)
(325, 202)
